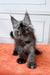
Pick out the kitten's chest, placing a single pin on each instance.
(23, 42)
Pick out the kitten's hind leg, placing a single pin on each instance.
(15, 52)
(21, 58)
(37, 52)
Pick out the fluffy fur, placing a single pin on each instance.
(25, 41)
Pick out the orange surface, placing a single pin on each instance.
(9, 66)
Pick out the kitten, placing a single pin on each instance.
(25, 41)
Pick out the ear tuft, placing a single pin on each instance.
(27, 19)
(14, 21)
(12, 18)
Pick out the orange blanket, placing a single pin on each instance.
(9, 66)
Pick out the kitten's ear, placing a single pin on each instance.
(27, 19)
(14, 21)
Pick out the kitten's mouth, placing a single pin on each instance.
(22, 33)
(21, 36)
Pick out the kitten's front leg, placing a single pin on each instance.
(31, 63)
(21, 58)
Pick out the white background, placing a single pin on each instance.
(39, 11)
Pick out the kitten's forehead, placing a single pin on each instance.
(21, 22)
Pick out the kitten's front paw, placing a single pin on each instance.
(32, 65)
(21, 61)
(15, 53)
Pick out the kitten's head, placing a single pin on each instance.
(21, 27)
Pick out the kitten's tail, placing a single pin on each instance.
(11, 34)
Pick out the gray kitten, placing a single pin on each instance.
(25, 41)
